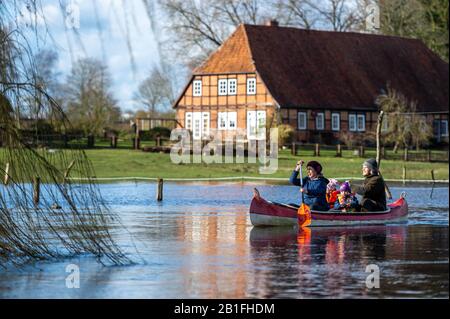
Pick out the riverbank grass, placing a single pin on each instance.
(110, 163)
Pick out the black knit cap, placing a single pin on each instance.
(316, 165)
(371, 163)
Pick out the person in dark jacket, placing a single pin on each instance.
(372, 190)
(314, 185)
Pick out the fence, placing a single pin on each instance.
(297, 149)
(365, 152)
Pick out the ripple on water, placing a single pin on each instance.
(199, 243)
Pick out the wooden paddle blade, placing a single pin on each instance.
(304, 215)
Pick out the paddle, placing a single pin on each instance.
(303, 213)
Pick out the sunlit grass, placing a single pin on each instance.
(130, 163)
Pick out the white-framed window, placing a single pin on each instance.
(361, 122)
(335, 121)
(222, 87)
(256, 125)
(227, 120)
(232, 120)
(205, 124)
(352, 122)
(198, 122)
(251, 86)
(232, 86)
(196, 125)
(444, 128)
(188, 120)
(320, 121)
(302, 120)
(222, 120)
(197, 88)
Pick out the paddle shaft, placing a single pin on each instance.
(301, 183)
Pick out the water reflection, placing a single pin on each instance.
(215, 242)
(323, 262)
(199, 243)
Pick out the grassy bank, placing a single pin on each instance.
(122, 163)
(128, 163)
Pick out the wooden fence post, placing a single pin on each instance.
(429, 156)
(383, 152)
(36, 190)
(406, 154)
(158, 141)
(159, 194)
(65, 140)
(317, 150)
(294, 149)
(114, 141)
(6, 180)
(338, 151)
(90, 141)
(361, 151)
(404, 174)
(137, 143)
(432, 186)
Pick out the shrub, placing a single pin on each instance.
(285, 134)
(163, 132)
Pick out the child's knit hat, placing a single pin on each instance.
(345, 187)
(332, 185)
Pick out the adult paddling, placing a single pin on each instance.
(313, 187)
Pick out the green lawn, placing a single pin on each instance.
(129, 163)
(124, 162)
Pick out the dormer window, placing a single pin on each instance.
(251, 86)
(197, 88)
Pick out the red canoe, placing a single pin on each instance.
(266, 213)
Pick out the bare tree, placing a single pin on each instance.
(405, 127)
(90, 105)
(198, 27)
(338, 15)
(155, 92)
(296, 13)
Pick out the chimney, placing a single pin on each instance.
(272, 23)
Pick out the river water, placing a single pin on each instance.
(199, 243)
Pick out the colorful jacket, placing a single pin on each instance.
(332, 197)
(346, 201)
(316, 189)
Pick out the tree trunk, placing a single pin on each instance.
(379, 122)
(396, 145)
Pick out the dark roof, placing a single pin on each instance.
(335, 70)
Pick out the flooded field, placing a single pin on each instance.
(199, 243)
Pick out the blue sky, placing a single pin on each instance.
(112, 15)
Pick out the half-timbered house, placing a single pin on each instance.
(321, 83)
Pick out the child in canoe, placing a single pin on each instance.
(346, 200)
(332, 192)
